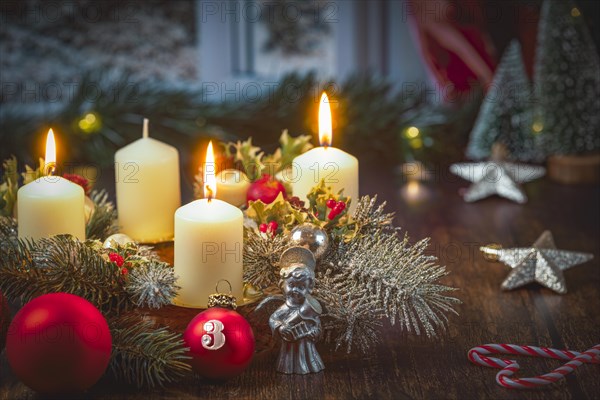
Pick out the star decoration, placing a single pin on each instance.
(542, 263)
(496, 178)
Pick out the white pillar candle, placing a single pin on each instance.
(209, 241)
(338, 168)
(232, 187)
(148, 193)
(51, 205)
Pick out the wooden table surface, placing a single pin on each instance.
(405, 366)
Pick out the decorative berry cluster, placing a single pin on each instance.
(271, 227)
(119, 261)
(80, 180)
(336, 208)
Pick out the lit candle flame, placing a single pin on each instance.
(50, 159)
(325, 130)
(210, 178)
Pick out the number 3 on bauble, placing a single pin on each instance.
(221, 343)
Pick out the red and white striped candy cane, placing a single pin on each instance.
(477, 355)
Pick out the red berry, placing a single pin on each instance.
(333, 213)
(80, 180)
(124, 271)
(340, 205)
(116, 259)
(330, 203)
(272, 227)
(263, 228)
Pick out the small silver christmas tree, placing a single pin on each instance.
(567, 82)
(560, 114)
(505, 115)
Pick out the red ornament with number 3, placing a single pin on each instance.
(221, 343)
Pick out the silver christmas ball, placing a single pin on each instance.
(312, 237)
(120, 239)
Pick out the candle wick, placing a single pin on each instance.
(145, 130)
(51, 167)
(210, 193)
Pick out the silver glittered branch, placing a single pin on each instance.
(374, 275)
(261, 257)
(398, 279)
(369, 216)
(349, 319)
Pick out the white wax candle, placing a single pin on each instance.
(232, 186)
(51, 206)
(338, 168)
(148, 193)
(208, 247)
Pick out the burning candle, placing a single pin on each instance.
(232, 186)
(51, 205)
(338, 168)
(208, 244)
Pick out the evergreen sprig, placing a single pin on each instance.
(365, 107)
(102, 222)
(146, 355)
(64, 264)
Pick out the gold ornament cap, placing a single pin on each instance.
(223, 300)
(491, 252)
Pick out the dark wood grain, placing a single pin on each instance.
(406, 366)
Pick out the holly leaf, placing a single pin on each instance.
(31, 174)
(248, 156)
(9, 187)
(280, 211)
(318, 210)
(291, 147)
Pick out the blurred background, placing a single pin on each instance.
(407, 78)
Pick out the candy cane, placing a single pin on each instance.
(477, 355)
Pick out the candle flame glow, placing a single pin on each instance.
(50, 159)
(412, 189)
(210, 178)
(325, 127)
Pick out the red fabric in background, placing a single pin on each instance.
(455, 43)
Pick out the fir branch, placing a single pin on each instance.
(9, 185)
(102, 221)
(72, 266)
(146, 355)
(18, 272)
(64, 264)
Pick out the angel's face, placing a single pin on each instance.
(296, 291)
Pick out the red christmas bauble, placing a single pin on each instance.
(4, 320)
(265, 189)
(59, 343)
(221, 343)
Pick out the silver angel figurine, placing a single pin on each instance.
(297, 321)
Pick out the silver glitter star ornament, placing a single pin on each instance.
(496, 178)
(542, 263)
